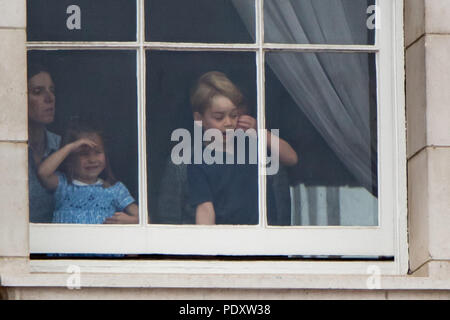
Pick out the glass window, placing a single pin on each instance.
(171, 78)
(215, 21)
(309, 85)
(81, 20)
(319, 21)
(74, 95)
(325, 105)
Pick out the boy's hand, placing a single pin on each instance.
(205, 214)
(246, 122)
(121, 218)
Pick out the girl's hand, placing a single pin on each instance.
(75, 146)
(246, 122)
(47, 169)
(121, 218)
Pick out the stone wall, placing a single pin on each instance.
(427, 37)
(13, 130)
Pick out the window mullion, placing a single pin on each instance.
(142, 143)
(262, 143)
(140, 25)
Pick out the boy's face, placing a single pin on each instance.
(222, 114)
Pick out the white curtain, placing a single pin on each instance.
(331, 89)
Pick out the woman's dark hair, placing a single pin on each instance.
(36, 68)
(73, 133)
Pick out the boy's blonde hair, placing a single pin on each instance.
(212, 84)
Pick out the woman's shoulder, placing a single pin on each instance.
(53, 140)
(62, 177)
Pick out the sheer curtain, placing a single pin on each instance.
(331, 89)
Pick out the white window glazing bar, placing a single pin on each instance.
(186, 46)
(320, 47)
(142, 134)
(261, 116)
(70, 45)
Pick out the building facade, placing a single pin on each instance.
(425, 268)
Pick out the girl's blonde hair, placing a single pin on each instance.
(212, 84)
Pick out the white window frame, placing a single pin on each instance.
(387, 239)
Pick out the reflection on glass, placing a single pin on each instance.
(319, 21)
(83, 137)
(81, 20)
(325, 107)
(214, 21)
(217, 89)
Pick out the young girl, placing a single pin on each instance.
(85, 191)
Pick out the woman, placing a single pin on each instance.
(41, 142)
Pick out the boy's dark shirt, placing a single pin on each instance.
(232, 188)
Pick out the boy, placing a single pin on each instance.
(227, 193)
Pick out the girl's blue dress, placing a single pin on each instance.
(88, 204)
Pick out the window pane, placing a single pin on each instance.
(176, 190)
(319, 21)
(74, 95)
(81, 20)
(324, 105)
(215, 21)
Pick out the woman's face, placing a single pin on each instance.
(41, 98)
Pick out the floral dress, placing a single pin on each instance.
(88, 204)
